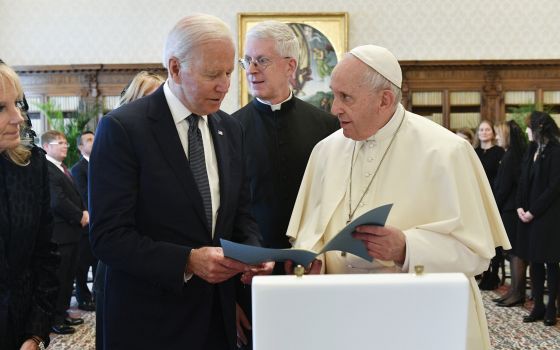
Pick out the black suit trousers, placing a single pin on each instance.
(86, 259)
(65, 274)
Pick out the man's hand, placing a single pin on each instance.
(383, 242)
(85, 218)
(210, 264)
(313, 269)
(242, 324)
(263, 269)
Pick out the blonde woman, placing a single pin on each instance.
(490, 155)
(28, 259)
(510, 137)
(143, 83)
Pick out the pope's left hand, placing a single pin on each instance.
(263, 269)
(383, 242)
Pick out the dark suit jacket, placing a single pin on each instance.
(80, 176)
(67, 207)
(28, 258)
(278, 145)
(146, 216)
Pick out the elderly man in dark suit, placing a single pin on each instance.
(85, 255)
(70, 218)
(166, 183)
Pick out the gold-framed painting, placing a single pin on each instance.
(323, 40)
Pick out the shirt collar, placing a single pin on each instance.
(389, 129)
(54, 161)
(178, 110)
(278, 106)
(85, 157)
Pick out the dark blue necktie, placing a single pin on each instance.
(198, 166)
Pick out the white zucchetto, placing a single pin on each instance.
(382, 60)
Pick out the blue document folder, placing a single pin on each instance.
(343, 242)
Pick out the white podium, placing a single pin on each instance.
(372, 311)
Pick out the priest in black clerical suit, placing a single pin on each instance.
(280, 133)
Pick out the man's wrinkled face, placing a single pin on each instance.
(204, 82)
(269, 79)
(355, 104)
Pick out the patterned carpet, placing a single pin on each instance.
(507, 331)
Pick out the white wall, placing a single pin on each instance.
(41, 32)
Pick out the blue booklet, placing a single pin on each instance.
(343, 242)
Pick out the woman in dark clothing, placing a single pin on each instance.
(28, 259)
(510, 137)
(490, 156)
(538, 208)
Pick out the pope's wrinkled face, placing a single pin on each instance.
(355, 103)
(204, 81)
(269, 79)
(10, 116)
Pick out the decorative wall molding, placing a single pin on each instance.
(81, 80)
(491, 78)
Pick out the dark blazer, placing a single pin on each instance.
(28, 258)
(147, 215)
(539, 193)
(80, 175)
(67, 207)
(505, 190)
(278, 145)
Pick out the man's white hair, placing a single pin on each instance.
(287, 44)
(190, 32)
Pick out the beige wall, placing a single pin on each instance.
(39, 32)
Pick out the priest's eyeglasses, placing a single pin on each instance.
(261, 62)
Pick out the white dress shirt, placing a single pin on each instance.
(55, 162)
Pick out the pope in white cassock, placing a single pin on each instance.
(444, 216)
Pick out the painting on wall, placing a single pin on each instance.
(323, 39)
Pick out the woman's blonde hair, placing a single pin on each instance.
(141, 85)
(502, 129)
(9, 80)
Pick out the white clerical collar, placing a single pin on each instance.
(178, 110)
(55, 162)
(389, 129)
(278, 106)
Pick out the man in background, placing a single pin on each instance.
(167, 181)
(85, 255)
(280, 132)
(70, 219)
